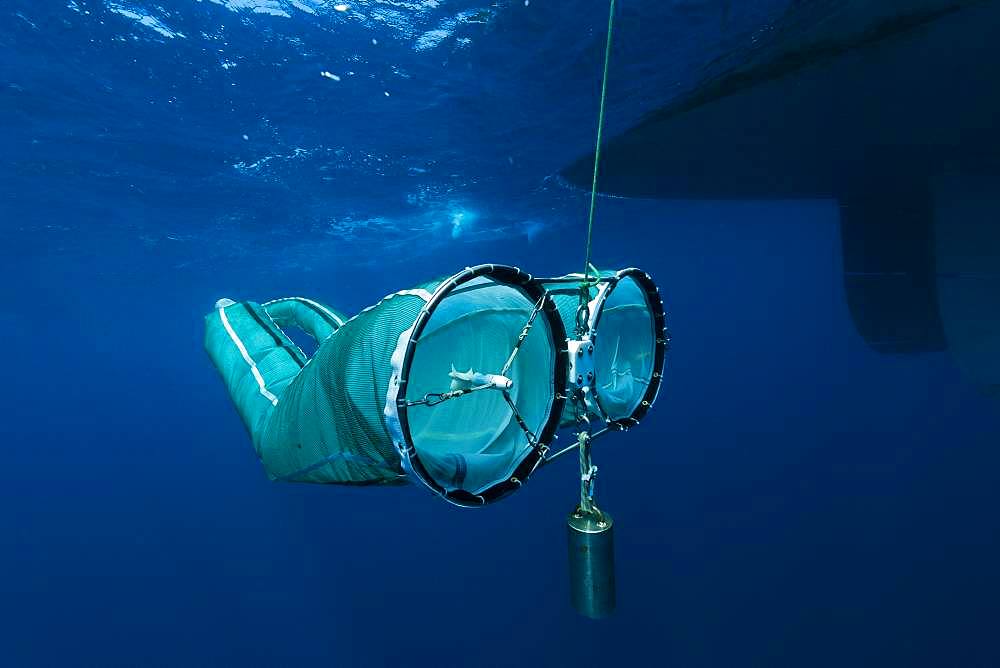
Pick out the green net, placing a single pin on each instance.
(328, 426)
(627, 327)
(471, 332)
(457, 381)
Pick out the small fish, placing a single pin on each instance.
(464, 380)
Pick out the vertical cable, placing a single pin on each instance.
(600, 132)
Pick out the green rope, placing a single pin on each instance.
(597, 150)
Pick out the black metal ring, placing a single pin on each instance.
(535, 291)
(661, 338)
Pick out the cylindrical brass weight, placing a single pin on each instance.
(592, 563)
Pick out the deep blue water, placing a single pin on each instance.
(794, 498)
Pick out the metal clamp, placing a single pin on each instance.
(581, 362)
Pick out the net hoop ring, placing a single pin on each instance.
(396, 400)
(660, 334)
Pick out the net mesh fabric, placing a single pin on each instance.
(625, 350)
(329, 425)
(326, 419)
(317, 320)
(473, 441)
(322, 420)
(273, 355)
(624, 345)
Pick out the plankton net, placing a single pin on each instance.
(459, 382)
(621, 339)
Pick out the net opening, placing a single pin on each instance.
(482, 442)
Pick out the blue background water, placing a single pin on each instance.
(793, 499)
